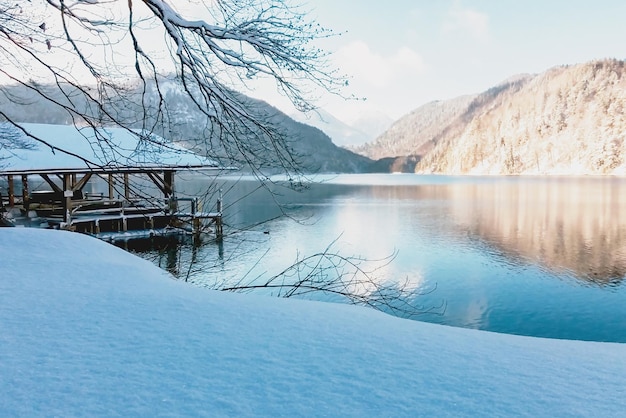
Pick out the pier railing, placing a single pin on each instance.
(98, 215)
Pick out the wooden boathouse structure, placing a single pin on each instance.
(67, 159)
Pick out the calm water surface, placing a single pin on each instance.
(533, 256)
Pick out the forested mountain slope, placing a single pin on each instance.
(414, 133)
(567, 120)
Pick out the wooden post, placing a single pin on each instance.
(11, 191)
(25, 195)
(219, 233)
(68, 193)
(195, 220)
(168, 190)
(126, 187)
(80, 184)
(168, 181)
(111, 182)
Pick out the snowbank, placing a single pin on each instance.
(87, 329)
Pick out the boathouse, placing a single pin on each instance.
(67, 159)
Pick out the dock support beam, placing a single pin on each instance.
(11, 191)
(111, 181)
(68, 193)
(195, 221)
(168, 190)
(219, 228)
(25, 194)
(126, 187)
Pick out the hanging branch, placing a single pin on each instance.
(210, 61)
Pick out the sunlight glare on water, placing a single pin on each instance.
(523, 255)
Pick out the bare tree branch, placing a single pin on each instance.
(212, 60)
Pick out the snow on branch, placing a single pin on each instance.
(116, 62)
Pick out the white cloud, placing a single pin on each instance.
(368, 68)
(383, 79)
(387, 80)
(467, 21)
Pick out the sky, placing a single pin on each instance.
(404, 53)
(401, 54)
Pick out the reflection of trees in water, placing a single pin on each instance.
(165, 251)
(573, 225)
(326, 275)
(569, 226)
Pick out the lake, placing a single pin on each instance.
(540, 256)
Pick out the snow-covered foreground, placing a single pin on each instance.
(89, 330)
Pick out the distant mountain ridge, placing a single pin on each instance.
(312, 149)
(568, 120)
(348, 135)
(339, 132)
(413, 134)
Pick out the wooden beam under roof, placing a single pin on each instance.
(113, 170)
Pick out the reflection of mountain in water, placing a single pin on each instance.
(567, 225)
(576, 225)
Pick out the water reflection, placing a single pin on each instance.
(178, 254)
(574, 226)
(533, 256)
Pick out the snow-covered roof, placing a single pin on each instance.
(65, 148)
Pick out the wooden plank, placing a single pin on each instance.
(115, 170)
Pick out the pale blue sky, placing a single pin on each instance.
(404, 53)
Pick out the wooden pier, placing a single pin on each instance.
(122, 207)
(100, 215)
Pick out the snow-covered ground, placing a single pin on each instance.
(87, 329)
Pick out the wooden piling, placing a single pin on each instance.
(111, 181)
(195, 220)
(68, 193)
(126, 187)
(25, 194)
(11, 191)
(219, 228)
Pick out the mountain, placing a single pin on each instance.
(414, 133)
(568, 120)
(314, 149)
(311, 149)
(340, 133)
(371, 121)
(363, 129)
